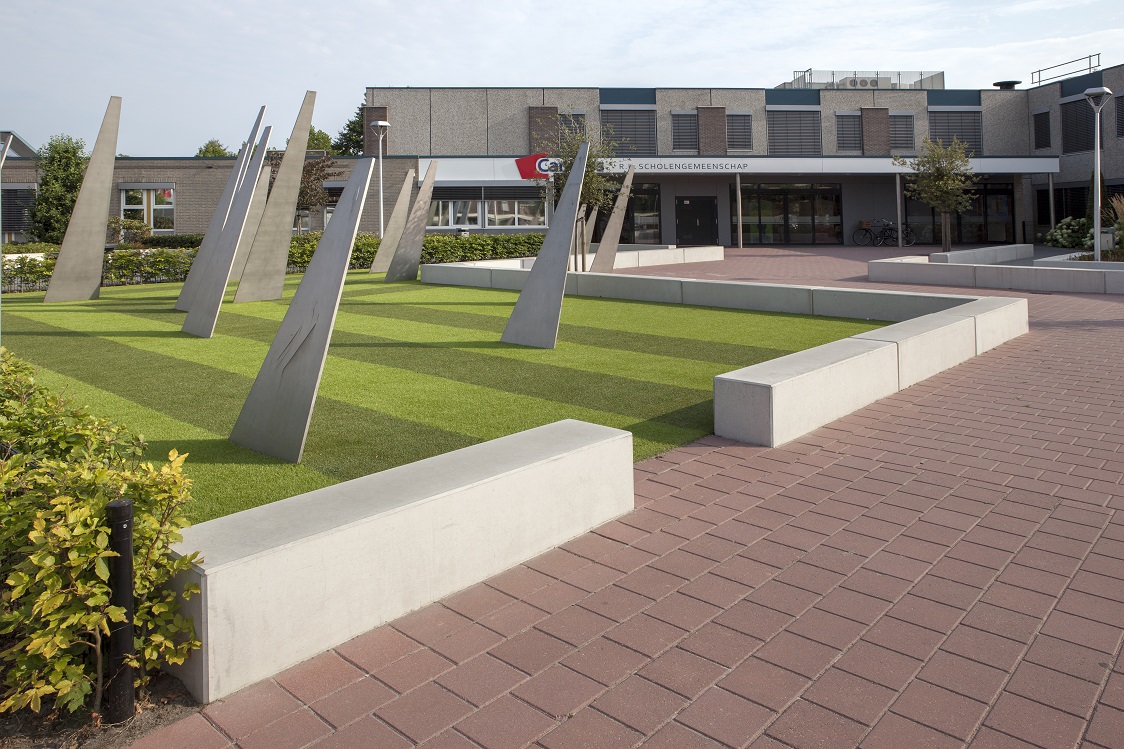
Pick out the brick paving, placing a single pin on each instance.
(943, 568)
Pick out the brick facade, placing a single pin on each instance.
(876, 131)
(542, 126)
(712, 131)
(371, 115)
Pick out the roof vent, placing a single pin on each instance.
(1006, 85)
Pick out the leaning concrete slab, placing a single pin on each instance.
(218, 218)
(367, 551)
(264, 274)
(534, 321)
(274, 420)
(605, 260)
(204, 312)
(77, 274)
(406, 260)
(388, 245)
(253, 221)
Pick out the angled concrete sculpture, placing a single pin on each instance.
(77, 274)
(253, 221)
(264, 274)
(275, 418)
(606, 256)
(407, 256)
(393, 234)
(218, 219)
(204, 312)
(534, 321)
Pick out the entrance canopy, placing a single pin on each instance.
(817, 165)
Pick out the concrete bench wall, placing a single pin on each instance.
(285, 581)
(779, 400)
(1003, 253)
(1086, 279)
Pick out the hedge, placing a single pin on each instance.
(155, 265)
(59, 467)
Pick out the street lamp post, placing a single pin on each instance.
(380, 127)
(1097, 98)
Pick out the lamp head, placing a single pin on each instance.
(1097, 96)
(380, 124)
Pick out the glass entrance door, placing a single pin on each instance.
(788, 214)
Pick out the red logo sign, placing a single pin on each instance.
(529, 166)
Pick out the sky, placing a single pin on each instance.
(191, 71)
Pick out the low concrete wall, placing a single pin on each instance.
(1056, 277)
(285, 581)
(779, 400)
(1003, 253)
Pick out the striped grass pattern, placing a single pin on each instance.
(413, 371)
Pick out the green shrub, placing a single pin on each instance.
(363, 253)
(47, 248)
(123, 267)
(451, 248)
(301, 249)
(59, 467)
(26, 273)
(1071, 232)
(173, 241)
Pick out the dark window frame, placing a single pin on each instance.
(685, 131)
(848, 132)
(794, 132)
(1042, 130)
(739, 131)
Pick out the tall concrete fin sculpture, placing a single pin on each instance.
(606, 256)
(393, 235)
(218, 218)
(204, 312)
(407, 256)
(275, 418)
(77, 274)
(534, 321)
(253, 221)
(264, 274)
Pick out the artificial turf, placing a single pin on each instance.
(414, 370)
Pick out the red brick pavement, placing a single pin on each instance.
(941, 569)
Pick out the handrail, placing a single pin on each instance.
(1037, 79)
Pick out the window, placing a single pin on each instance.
(684, 131)
(849, 132)
(1077, 126)
(573, 122)
(496, 213)
(739, 132)
(794, 133)
(454, 213)
(155, 206)
(631, 131)
(1042, 130)
(509, 213)
(966, 127)
(901, 132)
(1119, 116)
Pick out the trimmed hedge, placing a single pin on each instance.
(172, 241)
(59, 467)
(156, 265)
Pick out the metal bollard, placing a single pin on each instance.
(119, 693)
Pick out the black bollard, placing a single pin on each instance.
(119, 693)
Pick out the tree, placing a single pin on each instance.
(213, 149)
(943, 178)
(311, 194)
(318, 140)
(599, 190)
(62, 162)
(350, 140)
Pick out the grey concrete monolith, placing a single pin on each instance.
(275, 418)
(253, 221)
(77, 273)
(204, 312)
(393, 235)
(218, 219)
(606, 256)
(534, 321)
(264, 274)
(588, 226)
(407, 256)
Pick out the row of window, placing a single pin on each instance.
(790, 133)
(1078, 125)
(483, 214)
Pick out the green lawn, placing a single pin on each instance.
(413, 371)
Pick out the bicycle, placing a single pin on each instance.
(882, 232)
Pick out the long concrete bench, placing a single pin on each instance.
(1001, 253)
(780, 400)
(285, 581)
(1065, 280)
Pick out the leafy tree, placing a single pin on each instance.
(62, 162)
(318, 140)
(213, 149)
(349, 142)
(943, 178)
(311, 194)
(599, 190)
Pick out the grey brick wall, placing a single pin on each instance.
(712, 131)
(876, 131)
(371, 115)
(542, 127)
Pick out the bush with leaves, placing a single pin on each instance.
(451, 248)
(173, 241)
(47, 249)
(122, 267)
(1074, 233)
(127, 231)
(26, 273)
(59, 467)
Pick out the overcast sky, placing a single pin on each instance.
(195, 70)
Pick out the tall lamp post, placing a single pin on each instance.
(380, 128)
(1097, 98)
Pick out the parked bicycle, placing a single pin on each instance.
(881, 232)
